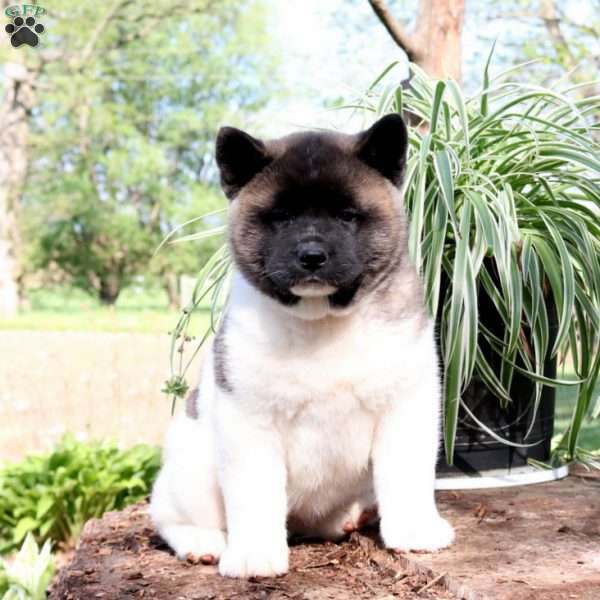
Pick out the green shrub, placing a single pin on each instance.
(53, 495)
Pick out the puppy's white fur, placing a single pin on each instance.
(330, 414)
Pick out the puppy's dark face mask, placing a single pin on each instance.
(315, 214)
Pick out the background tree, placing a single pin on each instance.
(559, 36)
(128, 101)
(16, 104)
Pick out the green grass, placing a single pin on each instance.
(138, 309)
(96, 319)
(566, 398)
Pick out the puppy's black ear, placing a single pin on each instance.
(383, 147)
(239, 158)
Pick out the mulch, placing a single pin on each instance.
(120, 557)
(537, 542)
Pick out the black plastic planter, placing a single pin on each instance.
(475, 449)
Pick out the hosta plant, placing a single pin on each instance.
(502, 188)
(51, 496)
(28, 575)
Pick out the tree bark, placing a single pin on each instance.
(110, 288)
(438, 35)
(436, 44)
(552, 21)
(15, 108)
(395, 29)
(549, 14)
(171, 285)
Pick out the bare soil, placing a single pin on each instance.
(95, 385)
(535, 542)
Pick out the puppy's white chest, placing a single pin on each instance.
(327, 445)
(336, 374)
(325, 398)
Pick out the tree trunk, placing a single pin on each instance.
(15, 108)
(550, 15)
(171, 285)
(436, 44)
(109, 290)
(438, 38)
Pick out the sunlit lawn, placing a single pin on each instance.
(137, 310)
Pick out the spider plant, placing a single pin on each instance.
(502, 189)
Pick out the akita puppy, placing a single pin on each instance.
(319, 401)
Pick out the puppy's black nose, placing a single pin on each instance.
(312, 256)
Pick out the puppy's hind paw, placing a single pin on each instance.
(366, 517)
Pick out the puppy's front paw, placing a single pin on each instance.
(260, 560)
(428, 534)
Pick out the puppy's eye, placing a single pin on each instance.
(279, 215)
(349, 215)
